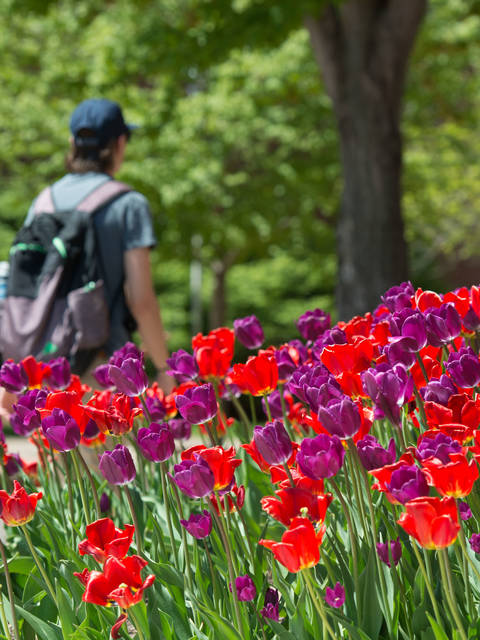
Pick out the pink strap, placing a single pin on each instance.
(44, 202)
(103, 194)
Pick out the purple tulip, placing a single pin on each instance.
(320, 457)
(335, 597)
(61, 430)
(464, 510)
(313, 324)
(194, 477)
(274, 404)
(399, 297)
(390, 388)
(13, 464)
(156, 442)
(60, 373)
(273, 442)
(271, 605)
(286, 365)
(183, 366)
(129, 350)
(156, 408)
(463, 367)
(443, 324)
(129, 377)
(197, 404)
(181, 429)
(439, 390)
(104, 503)
(245, 588)
(372, 455)
(397, 353)
(249, 332)
(475, 542)
(409, 325)
(441, 446)
(394, 553)
(117, 466)
(331, 336)
(13, 377)
(471, 321)
(199, 525)
(406, 483)
(318, 377)
(100, 374)
(25, 417)
(340, 417)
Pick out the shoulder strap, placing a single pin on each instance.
(107, 191)
(100, 196)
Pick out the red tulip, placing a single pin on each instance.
(222, 463)
(104, 539)
(19, 507)
(292, 501)
(433, 522)
(456, 478)
(300, 545)
(214, 352)
(259, 376)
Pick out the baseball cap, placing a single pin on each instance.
(104, 117)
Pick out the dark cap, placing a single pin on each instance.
(103, 117)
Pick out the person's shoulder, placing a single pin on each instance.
(132, 199)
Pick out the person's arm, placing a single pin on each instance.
(143, 305)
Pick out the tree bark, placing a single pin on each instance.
(362, 48)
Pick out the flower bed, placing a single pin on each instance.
(324, 488)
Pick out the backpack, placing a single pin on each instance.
(55, 304)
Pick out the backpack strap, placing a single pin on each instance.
(100, 196)
(44, 202)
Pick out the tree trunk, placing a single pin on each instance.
(362, 48)
(218, 300)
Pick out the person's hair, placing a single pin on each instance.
(85, 158)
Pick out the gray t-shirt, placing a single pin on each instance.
(124, 224)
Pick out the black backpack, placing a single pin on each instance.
(55, 304)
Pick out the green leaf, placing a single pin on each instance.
(65, 612)
(372, 613)
(437, 629)
(44, 630)
(21, 564)
(221, 627)
(167, 573)
(280, 631)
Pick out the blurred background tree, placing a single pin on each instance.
(238, 150)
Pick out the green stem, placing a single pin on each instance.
(422, 367)
(447, 586)
(245, 529)
(353, 545)
(5, 626)
(137, 625)
(86, 508)
(243, 418)
(166, 501)
(428, 584)
(70, 494)
(91, 480)
(318, 604)
(268, 410)
(138, 537)
(463, 544)
(252, 409)
(10, 595)
(420, 407)
(43, 573)
(289, 474)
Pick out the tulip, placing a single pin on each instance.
(456, 478)
(441, 446)
(475, 542)
(399, 297)
(182, 365)
(25, 417)
(194, 477)
(100, 374)
(61, 430)
(432, 521)
(439, 390)
(471, 320)
(60, 374)
(104, 503)
(245, 588)
(271, 605)
(129, 350)
(199, 525)
(104, 539)
(313, 324)
(117, 466)
(295, 501)
(340, 417)
(181, 429)
(249, 332)
(464, 510)
(129, 376)
(390, 388)
(273, 442)
(331, 336)
(300, 545)
(259, 376)
(18, 508)
(274, 405)
(372, 455)
(214, 352)
(156, 442)
(285, 363)
(335, 597)
(395, 552)
(406, 483)
(13, 377)
(221, 462)
(197, 404)
(464, 367)
(320, 457)
(443, 324)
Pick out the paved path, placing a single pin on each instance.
(26, 449)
